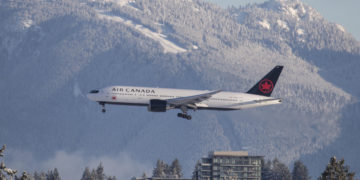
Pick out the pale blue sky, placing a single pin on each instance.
(344, 12)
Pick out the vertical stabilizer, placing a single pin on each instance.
(267, 84)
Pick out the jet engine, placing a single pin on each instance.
(157, 105)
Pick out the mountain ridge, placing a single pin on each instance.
(61, 50)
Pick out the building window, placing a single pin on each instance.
(206, 168)
(224, 167)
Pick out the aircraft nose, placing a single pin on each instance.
(90, 96)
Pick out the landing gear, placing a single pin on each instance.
(103, 107)
(185, 116)
(184, 113)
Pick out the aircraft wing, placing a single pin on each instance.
(256, 103)
(191, 100)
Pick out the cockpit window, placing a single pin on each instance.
(94, 91)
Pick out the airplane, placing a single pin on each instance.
(163, 99)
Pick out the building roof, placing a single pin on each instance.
(229, 153)
(156, 178)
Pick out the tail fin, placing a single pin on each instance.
(267, 84)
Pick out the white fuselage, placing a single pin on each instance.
(141, 96)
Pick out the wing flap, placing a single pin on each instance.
(256, 103)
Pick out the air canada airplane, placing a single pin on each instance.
(163, 99)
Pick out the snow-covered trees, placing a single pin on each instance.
(163, 170)
(159, 170)
(100, 175)
(5, 171)
(96, 174)
(53, 175)
(275, 170)
(175, 169)
(86, 174)
(266, 172)
(300, 171)
(337, 170)
(280, 170)
(50, 175)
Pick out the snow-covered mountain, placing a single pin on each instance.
(54, 52)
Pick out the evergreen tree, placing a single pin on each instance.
(111, 178)
(96, 174)
(2, 176)
(41, 176)
(93, 175)
(167, 170)
(300, 172)
(274, 170)
(36, 175)
(53, 175)
(5, 171)
(336, 170)
(159, 170)
(24, 176)
(56, 174)
(266, 171)
(280, 171)
(49, 175)
(195, 172)
(100, 172)
(176, 169)
(86, 174)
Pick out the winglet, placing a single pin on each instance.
(267, 84)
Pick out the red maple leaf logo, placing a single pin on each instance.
(114, 97)
(266, 86)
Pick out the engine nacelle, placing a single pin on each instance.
(157, 105)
